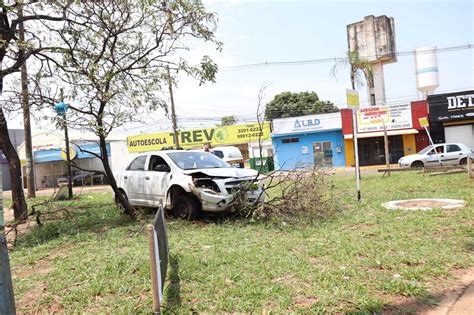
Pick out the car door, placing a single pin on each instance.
(435, 155)
(453, 154)
(134, 180)
(156, 180)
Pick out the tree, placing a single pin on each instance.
(13, 54)
(360, 69)
(228, 120)
(113, 66)
(289, 104)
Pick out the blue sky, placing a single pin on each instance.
(259, 31)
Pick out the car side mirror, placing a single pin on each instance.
(162, 168)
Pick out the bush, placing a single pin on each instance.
(293, 197)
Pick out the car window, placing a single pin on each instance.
(218, 153)
(439, 149)
(452, 148)
(426, 150)
(138, 164)
(193, 160)
(156, 160)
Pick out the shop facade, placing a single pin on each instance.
(405, 135)
(453, 113)
(50, 166)
(308, 141)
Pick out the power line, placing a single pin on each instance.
(338, 59)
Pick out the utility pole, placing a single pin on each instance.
(68, 157)
(7, 300)
(173, 113)
(30, 173)
(387, 153)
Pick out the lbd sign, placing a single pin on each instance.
(305, 124)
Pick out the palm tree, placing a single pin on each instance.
(360, 69)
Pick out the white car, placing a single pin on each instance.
(185, 182)
(447, 153)
(230, 154)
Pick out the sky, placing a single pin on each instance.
(255, 31)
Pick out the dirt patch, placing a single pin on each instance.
(444, 297)
(304, 301)
(424, 204)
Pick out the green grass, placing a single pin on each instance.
(359, 262)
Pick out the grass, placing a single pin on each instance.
(365, 260)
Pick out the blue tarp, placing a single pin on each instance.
(55, 154)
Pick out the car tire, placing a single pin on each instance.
(118, 204)
(186, 207)
(417, 164)
(463, 161)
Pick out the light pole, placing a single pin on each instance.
(61, 109)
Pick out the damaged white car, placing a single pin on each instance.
(186, 182)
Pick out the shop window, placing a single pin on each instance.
(138, 164)
(290, 140)
(452, 148)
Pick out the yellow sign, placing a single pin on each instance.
(352, 97)
(72, 153)
(222, 135)
(423, 122)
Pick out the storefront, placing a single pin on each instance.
(50, 164)
(455, 113)
(405, 135)
(308, 141)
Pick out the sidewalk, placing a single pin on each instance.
(76, 190)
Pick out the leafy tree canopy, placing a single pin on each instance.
(289, 104)
(228, 120)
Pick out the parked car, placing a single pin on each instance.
(230, 154)
(448, 153)
(83, 179)
(186, 182)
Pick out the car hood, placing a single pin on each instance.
(223, 172)
(412, 157)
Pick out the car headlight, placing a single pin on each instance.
(207, 185)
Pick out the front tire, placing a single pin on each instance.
(417, 164)
(119, 205)
(186, 207)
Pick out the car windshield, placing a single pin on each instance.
(425, 150)
(193, 160)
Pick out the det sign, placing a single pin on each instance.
(423, 122)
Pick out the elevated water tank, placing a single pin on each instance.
(426, 64)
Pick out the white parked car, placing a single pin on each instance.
(185, 182)
(230, 154)
(448, 153)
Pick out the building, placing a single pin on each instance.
(16, 137)
(50, 160)
(452, 115)
(308, 141)
(405, 135)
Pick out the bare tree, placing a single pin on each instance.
(113, 66)
(13, 54)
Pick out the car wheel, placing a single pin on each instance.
(186, 207)
(119, 205)
(417, 164)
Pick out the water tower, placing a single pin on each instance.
(426, 64)
(374, 41)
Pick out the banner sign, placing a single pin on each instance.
(352, 98)
(373, 118)
(220, 135)
(304, 124)
(451, 106)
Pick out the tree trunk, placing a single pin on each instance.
(19, 206)
(111, 179)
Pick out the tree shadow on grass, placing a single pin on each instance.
(80, 220)
(173, 292)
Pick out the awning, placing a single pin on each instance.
(381, 133)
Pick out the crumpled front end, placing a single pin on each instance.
(219, 194)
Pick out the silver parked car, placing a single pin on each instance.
(448, 153)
